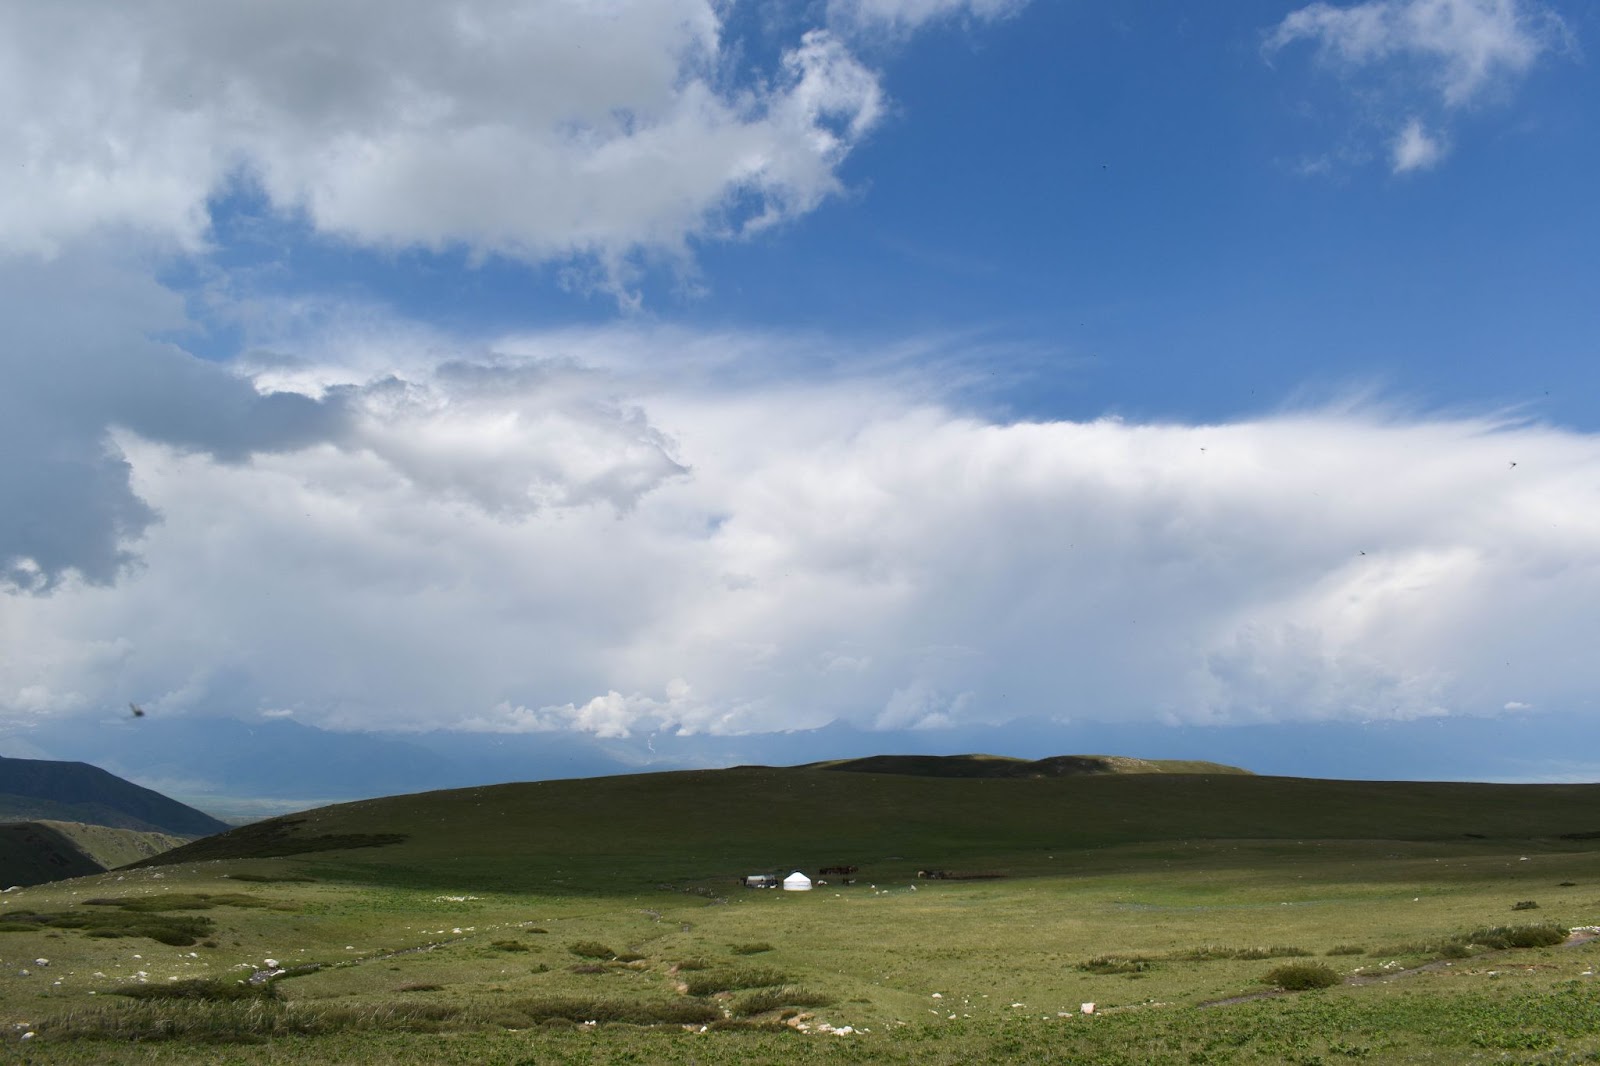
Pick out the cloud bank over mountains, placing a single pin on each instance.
(377, 522)
(547, 535)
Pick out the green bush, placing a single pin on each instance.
(1525, 905)
(1301, 976)
(591, 949)
(1520, 936)
(1346, 949)
(751, 949)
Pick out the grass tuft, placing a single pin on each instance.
(1109, 964)
(591, 949)
(764, 1000)
(1302, 976)
(1217, 952)
(750, 949)
(711, 982)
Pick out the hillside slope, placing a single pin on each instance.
(33, 853)
(35, 789)
(637, 831)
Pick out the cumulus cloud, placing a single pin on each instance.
(1415, 149)
(1445, 54)
(537, 131)
(1466, 47)
(612, 552)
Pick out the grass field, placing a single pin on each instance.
(493, 925)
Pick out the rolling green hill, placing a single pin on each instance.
(33, 853)
(703, 827)
(34, 789)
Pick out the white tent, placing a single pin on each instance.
(797, 882)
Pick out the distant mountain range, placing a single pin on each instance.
(36, 789)
(1006, 767)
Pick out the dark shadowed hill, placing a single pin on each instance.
(33, 853)
(637, 831)
(1003, 766)
(36, 789)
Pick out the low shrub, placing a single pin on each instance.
(419, 986)
(750, 949)
(712, 981)
(509, 945)
(770, 999)
(1302, 976)
(692, 964)
(591, 949)
(1525, 905)
(1519, 936)
(1346, 949)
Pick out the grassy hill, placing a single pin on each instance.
(33, 789)
(36, 852)
(623, 833)
(597, 921)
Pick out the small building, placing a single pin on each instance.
(797, 882)
(761, 881)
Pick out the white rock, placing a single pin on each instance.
(1087, 1008)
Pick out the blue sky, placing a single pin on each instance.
(659, 379)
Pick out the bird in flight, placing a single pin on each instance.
(138, 711)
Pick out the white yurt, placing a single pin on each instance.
(797, 882)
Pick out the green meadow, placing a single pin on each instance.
(602, 921)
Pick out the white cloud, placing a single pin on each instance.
(1467, 47)
(538, 131)
(1415, 149)
(1440, 55)
(902, 15)
(589, 545)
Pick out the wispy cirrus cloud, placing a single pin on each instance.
(1437, 55)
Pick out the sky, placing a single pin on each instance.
(502, 389)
